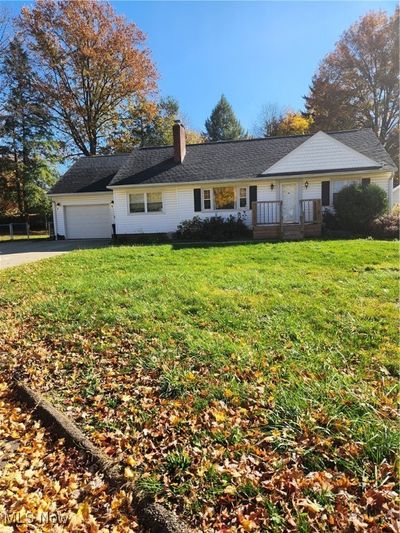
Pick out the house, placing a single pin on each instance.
(281, 185)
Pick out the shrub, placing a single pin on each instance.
(357, 206)
(387, 226)
(214, 228)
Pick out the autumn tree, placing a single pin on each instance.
(222, 124)
(148, 123)
(357, 85)
(274, 121)
(194, 137)
(90, 63)
(28, 151)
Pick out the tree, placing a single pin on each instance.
(222, 125)
(27, 148)
(194, 137)
(273, 122)
(147, 123)
(268, 121)
(357, 85)
(5, 31)
(90, 62)
(293, 123)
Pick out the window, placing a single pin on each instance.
(224, 198)
(154, 202)
(136, 203)
(149, 202)
(207, 199)
(243, 197)
(338, 185)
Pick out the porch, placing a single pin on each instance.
(272, 221)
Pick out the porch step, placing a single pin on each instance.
(292, 232)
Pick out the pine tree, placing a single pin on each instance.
(28, 151)
(222, 125)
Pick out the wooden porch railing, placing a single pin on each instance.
(267, 212)
(310, 211)
(271, 213)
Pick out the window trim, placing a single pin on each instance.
(145, 212)
(237, 199)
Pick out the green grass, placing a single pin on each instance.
(243, 355)
(7, 238)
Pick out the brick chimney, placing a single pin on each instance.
(178, 131)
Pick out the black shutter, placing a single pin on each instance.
(252, 194)
(365, 182)
(325, 192)
(197, 199)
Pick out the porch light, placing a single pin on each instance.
(272, 186)
(58, 204)
(306, 184)
(112, 202)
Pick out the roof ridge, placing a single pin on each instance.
(105, 155)
(227, 141)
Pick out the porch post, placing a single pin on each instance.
(254, 214)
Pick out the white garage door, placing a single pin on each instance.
(88, 221)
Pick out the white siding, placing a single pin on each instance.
(185, 202)
(178, 202)
(76, 199)
(395, 196)
(178, 205)
(127, 223)
(320, 152)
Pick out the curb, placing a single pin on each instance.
(152, 516)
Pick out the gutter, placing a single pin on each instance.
(256, 179)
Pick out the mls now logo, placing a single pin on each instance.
(30, 518)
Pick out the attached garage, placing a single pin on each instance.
(88, 221)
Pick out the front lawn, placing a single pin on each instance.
(247, 386)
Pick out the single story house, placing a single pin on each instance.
(280, 184)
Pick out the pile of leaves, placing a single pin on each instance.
(229, 465)
(248, 388)
(45, 485)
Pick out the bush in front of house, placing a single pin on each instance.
(387, 226)
(357, 206)
(213, 228)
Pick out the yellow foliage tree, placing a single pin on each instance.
(293, 124)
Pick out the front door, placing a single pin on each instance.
(289, 202)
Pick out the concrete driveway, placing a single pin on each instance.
(13, 253)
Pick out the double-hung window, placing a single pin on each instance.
(338, 185)
(145, 202)
(243, 197)
(224, 198)
(207, 199)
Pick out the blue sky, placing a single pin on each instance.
(254, 52)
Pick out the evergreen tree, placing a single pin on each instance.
(28, 152)
(222, 125)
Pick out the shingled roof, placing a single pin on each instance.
(90, 174)
(221, 161)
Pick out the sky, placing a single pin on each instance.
(255, 53)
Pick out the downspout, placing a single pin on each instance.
(55, 221)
